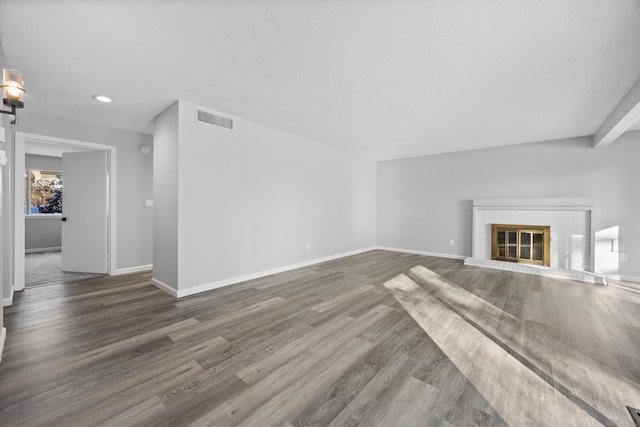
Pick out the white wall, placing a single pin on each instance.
(165, 197)
(42, 232)
(252, 197)
(6, 273)
(426, 201)
(43, 163)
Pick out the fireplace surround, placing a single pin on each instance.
(570, 231)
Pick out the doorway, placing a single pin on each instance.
(41, 144)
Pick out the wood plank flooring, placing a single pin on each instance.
(325, 345)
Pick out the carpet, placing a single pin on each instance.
(46, 267)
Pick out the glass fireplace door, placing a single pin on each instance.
(538, 247)
(508, 244)
(521, 243)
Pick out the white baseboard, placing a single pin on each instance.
(8, 301)
(168, 289)
(624, 278)
(634, 279)
(239, 279)
(412, 251)
(36, 250)
(136, 269)
(3, 336)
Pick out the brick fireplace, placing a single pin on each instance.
(571, 249)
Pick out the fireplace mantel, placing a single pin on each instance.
(533, 204)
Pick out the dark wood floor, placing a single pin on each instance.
(379, 338)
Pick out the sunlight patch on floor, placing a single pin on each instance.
(517, 394)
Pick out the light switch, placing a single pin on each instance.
(148, 203)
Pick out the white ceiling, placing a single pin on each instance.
(385, 79)
(635, 127)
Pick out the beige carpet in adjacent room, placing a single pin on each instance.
(46, 267)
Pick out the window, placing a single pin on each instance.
(43, 192)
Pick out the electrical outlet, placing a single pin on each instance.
(623, 257)
(452, 242)
(307, 246)
(148, 203)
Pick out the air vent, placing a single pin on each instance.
(213, 119)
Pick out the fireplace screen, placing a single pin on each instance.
(520, 243)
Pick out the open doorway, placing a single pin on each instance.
(49, 246)
(44, 195)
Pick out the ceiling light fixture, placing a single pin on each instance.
(12, 91)
(102, 98)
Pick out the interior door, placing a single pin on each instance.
(84, 212)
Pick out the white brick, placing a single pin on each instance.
(563, 225)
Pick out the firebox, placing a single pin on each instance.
(528, 244)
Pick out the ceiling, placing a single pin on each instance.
(384, 79)
(635, 126)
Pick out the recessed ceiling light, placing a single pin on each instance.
(102, 98)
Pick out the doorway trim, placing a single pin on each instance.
(21, 139)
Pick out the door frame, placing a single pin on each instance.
(21, 139)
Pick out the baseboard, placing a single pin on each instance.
(136, 269)
(623, 278)
(239, 279)
(412, 251)
(634, 279)
(168, 289)
(8, 301)
(36, 250)
(3, 336)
